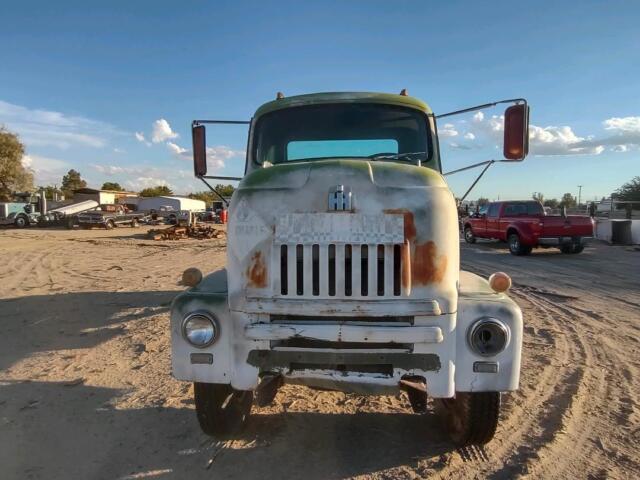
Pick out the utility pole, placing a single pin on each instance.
(579, 193)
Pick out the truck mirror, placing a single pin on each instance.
(516, 132)
(199, 150)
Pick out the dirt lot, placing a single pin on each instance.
(86, 391)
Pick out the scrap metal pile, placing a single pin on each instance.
(176, 232)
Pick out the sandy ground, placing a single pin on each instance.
(86, 391)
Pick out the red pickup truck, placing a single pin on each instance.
(524, 225)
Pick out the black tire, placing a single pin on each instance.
(566, 248)
(470, 418)
(70, 223)
(222, 411)
(577, 248)
(134, 223)
(21, 221)
(516, 247)
(469, 237)
(109, 225)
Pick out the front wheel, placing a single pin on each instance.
(470, 418)
(469, 237)
(109, 225)
(134, 223)
(516, 247)
(222, 411)
(21, 222)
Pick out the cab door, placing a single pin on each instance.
(493, 221)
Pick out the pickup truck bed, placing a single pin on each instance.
(523, 225)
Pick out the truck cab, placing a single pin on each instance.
(343, 273)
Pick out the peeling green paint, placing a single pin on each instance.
(343, 97)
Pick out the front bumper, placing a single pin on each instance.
(367, 355)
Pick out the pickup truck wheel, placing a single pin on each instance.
(470, 418)
(109, 225)
(469, 237)
(566, 248)
(577, 248)
(222, 411)
(21, 221)
(516, 247)
(134, 223)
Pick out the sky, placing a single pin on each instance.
(111, 89)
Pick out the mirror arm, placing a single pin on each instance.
(214, 190)
(475, 165)
(482, 107)
(488, 164)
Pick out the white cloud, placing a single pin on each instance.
(162, 131)
(469, 136)
(54, 129)
(459, 146)
(46, 170)
(176, 149)
(478, 117)
(620, 148)
(140, 136)
(625, 124)
(118, 150)
(447, 130)
(140, 183)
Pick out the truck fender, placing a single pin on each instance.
(523, 230)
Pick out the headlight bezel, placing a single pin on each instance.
(497, 325)
(208, 317)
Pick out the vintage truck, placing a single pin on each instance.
(524, 225)
(343, 270)
(110, 216)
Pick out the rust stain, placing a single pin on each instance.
(406, 267)
(409, 223)
(257, 271)
(427, 266)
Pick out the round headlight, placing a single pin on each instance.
(199, 329)
(488, 336)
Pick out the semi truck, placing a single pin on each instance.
(343, 270)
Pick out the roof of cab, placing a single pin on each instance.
(343, 97)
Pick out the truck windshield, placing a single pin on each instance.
(370, 131)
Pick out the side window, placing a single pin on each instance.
(493, 210)
(534, 209)
(515, 209)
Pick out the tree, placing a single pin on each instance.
(72, 181)
(482, 201)
(551, 203)
(208, 196)
(112, 186)
(630, 191)
(50, 191)
(159, 191)
(14, 176)
(538, 197)
(568, 201)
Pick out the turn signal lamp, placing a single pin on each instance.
(191, 277)
(500, 282)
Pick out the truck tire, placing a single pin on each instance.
(469, 237)
(222, 411)
(134, 223)
(21, 221)
(577, 248)
(566, 248)
(470, 418)
(516, 247)
(109, 224)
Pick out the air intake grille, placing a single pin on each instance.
(341, 270)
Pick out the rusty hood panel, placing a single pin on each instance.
(418, 194)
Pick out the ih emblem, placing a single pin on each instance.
(339, 198)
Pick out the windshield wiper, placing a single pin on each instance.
(396, 156)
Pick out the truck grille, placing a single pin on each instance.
(341, 270)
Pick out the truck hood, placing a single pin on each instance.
(394, 203)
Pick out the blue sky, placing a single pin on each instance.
(78, 81)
